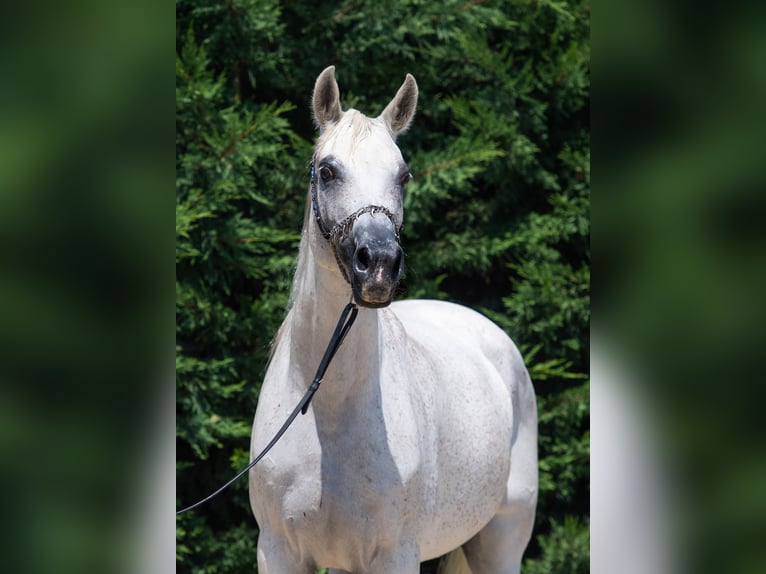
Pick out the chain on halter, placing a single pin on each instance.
(343, 228)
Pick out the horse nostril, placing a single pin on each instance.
(363, 259)
(396, 269)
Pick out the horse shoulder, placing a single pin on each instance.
(275, 485)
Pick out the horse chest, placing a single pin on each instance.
(353, 498)
(359, 476)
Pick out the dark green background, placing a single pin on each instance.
(87, 255)
(496, 217)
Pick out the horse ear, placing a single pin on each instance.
(400, 111)
(326, 99)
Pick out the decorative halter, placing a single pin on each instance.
(343, 227)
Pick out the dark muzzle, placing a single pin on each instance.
(372, 259)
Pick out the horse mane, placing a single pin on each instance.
(298, 275)
(301, 263)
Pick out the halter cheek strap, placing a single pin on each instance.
(343, 227)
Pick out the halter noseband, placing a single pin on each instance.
(343, 228)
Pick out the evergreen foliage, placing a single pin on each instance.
(497, 217)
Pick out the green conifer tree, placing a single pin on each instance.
(497, 216)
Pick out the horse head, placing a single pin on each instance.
(357, 181)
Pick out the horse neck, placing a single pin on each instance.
(320, 293)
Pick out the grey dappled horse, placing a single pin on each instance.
(423, 438)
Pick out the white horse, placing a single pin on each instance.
(423, 437)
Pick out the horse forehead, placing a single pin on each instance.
(359, 141)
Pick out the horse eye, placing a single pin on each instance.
(325, 173)
(405, 179)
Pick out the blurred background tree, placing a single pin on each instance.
(497, 217)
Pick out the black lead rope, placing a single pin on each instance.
(347, 318)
